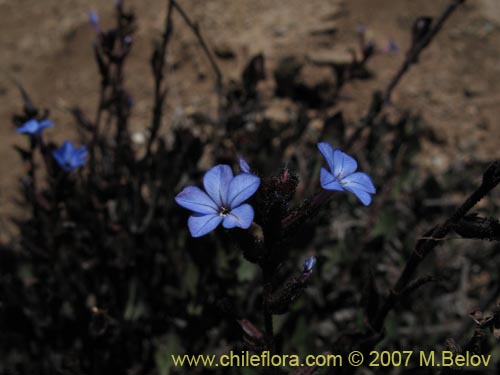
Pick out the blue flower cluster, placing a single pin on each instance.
(223, 201)
(67, 156)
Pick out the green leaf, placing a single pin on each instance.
(167, 345)
(135, 308)
(246, 272)
(386, 225)
(191, 277)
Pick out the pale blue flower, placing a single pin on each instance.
(309, 264)
(69, 157)
(34, 126)
(94, 20)
(222, 201)
(342, 175)
(392, 46)
(244, 167)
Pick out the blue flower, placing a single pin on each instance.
(309, 264)
(244, 167)
(392, 46)
(34, 126)
(223, 203)
(94, 20)
(342, 175)
(69, 157)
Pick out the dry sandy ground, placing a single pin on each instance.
(46, 44)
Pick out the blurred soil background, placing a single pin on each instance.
(47, 46)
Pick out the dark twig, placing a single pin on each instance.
(310, 208)
(158, 63)
(100, 107)
(382, 99)
(424, 247)
(268, 316)
(416, 284)
(485, 303)
(414, 52)
(196, 30)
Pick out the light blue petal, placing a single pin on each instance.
(196, 200)
(362, 195)
(63, 156)
(94, 19)
(241, 217)
(57, 155)
(329, 182)
(360, 181)
(242, 187)
(343, 164)
(79, 156)
(199, 225)
(81, 152)
(309, 264)
(361, 185)
(77, 162)
(327, 150)
(45, 124)
(30, 127)
(244, 167)
(216, 182)
(67, 150)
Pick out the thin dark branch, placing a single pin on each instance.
(416, 284)
(158, 62)
(307, 210)
(267, 292)
(419, 46)
(424, 247)
(268, 316)
(381, 99)
(196, 30)
(97, 122)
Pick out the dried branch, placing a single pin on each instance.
(419, 45)
(158, 63)
(420, 42)
(196, 30)
(424, 247)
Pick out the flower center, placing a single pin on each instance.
(224, 211)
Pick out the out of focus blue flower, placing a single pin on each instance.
(392, 46)
(94, 20)
(70, 157)
(342, 175)
(309, 264)
(222, 201)
(34, 126)
(244, 167)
